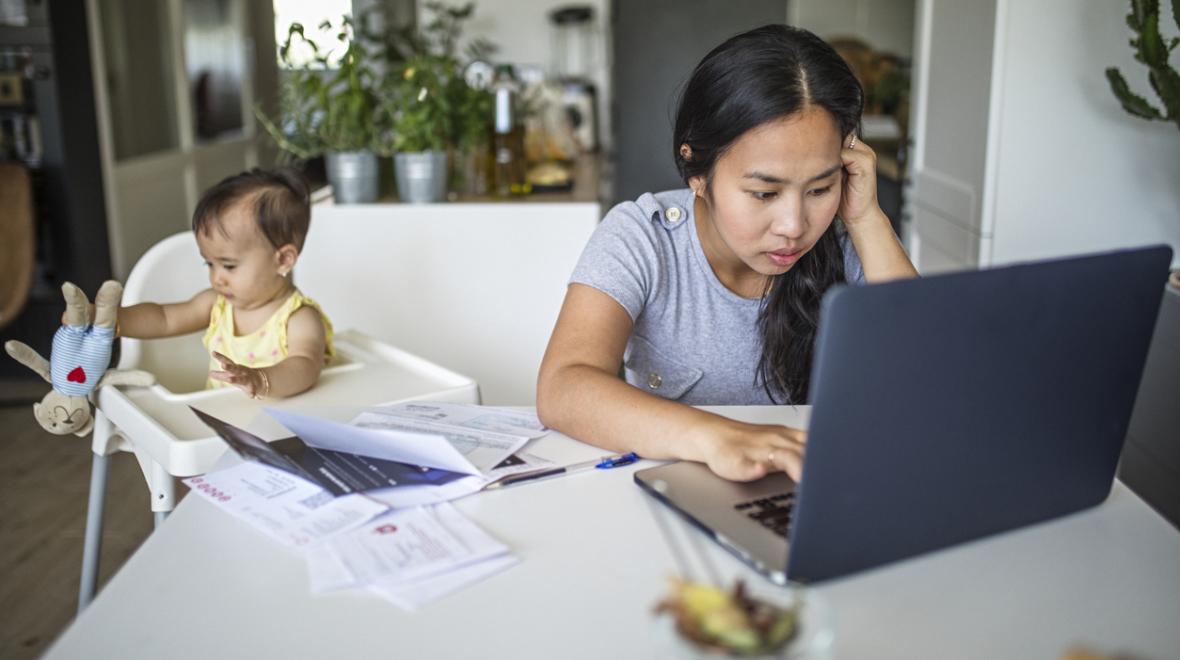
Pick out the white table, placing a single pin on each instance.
(593, 563)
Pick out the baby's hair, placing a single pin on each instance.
(279, 203)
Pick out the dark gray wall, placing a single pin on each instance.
(1151, 458)
(656, 44)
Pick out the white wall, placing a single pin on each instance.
(522, 30)
(1074, 173)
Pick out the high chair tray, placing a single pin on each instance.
(367, 372)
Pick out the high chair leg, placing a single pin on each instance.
(163, 489)
(93, 541)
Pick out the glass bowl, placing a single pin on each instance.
(812, 640)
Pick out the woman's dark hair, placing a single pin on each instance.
(753, 78)
(280, 204)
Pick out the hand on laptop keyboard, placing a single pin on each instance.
(744, 452)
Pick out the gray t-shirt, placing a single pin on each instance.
(694, 340)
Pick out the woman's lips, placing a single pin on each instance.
(784, 257)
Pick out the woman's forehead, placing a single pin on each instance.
(795, 148)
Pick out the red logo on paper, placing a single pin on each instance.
(385, 529)
(77, 375)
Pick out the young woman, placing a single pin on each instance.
(710, 294)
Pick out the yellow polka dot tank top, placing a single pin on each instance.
(264, 347)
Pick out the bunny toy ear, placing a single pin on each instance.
(23, 353)
(77, 305)
(106, 304)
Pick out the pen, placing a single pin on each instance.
(604, 463)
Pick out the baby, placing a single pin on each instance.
(263, 334)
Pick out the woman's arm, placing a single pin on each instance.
(580, 394)
(295, 374)
(881, 254)
(152, 320)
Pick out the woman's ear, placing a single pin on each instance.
(286, 257)
(697, 183)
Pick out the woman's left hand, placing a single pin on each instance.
(858, 199)
(248, 380)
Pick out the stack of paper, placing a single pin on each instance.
(409, 557)
(330, 491)
(290, 510)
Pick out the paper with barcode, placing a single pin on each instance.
(290, 510)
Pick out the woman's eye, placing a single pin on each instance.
(763, 195)
(208, 265)
(229, 267)
(819, 192)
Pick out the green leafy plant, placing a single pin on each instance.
(324, 109)
(1151, 50)
(417, 105)
(426, 99)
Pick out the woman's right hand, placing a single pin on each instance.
(744, 452)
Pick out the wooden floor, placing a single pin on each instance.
(44, 480)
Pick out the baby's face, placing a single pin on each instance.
(243, 266)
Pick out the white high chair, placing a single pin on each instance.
(167, 438)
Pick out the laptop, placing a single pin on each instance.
(945, 409)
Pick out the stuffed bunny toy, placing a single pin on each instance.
(78, 364)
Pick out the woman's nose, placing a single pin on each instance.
(789, 222)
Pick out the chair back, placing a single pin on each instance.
(171, 271)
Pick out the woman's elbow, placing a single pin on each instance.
(548, 397)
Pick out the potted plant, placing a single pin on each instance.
(438, 121)
(420, 118)
(329, 111)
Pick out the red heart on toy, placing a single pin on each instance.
(77, 375)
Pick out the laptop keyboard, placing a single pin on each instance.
(773, 513)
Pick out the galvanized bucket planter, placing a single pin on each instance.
(421, 176)
(353, 175)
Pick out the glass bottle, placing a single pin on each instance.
(508, 172)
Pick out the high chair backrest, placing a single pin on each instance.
(171, 271)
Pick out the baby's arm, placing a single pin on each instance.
(298, 372)
(152, 320)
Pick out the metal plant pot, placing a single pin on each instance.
(421, 176)
(353, 175)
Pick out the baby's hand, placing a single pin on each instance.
(251, 381)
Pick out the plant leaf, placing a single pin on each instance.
(1166, 83)
(1131, 102)
(1141, 10)
(1151, 44)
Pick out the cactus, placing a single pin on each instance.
(1150, 49)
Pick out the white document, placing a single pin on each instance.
(290, 510)
(469, 416)
(482, 449)
(390, 443)
(410, 596)
(403, 497)
(409, 496)
(405, 546)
